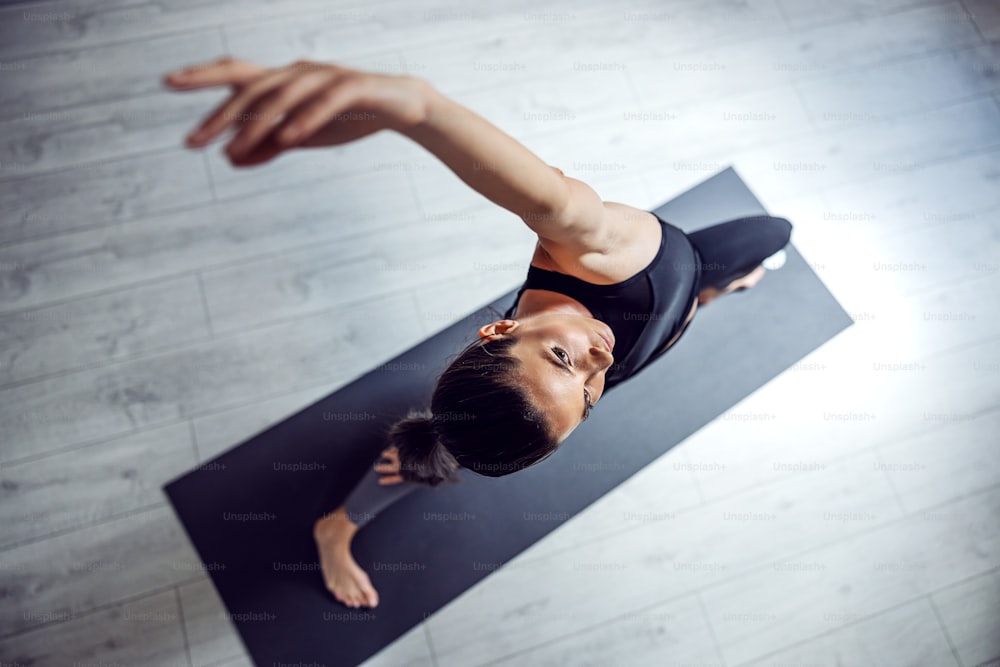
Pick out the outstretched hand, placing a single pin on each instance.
(391, 468)
(303, 105)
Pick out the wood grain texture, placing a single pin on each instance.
(905, 635)
(97, 195)
(38, 142)
(116, 256)
(93, 330)
(971, 616)
(211, 635)
(161, 388)
(144, 631)
(855, 578)
(663, 555)
(110, 562)
(100, 73)
(92, 484)
(158, 306)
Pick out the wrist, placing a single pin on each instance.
(412, 98)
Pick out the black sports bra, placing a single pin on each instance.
(645, 311)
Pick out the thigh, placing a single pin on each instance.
(732, 249)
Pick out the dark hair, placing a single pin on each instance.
(481, 417)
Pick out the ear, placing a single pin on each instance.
(498, 327)
(487, 330)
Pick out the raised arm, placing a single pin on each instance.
(503, 170)
(309, 104)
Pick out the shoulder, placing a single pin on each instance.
(630, 241)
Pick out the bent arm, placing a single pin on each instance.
(504, 171)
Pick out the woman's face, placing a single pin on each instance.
(563, 357)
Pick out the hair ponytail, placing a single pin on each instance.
(481, 418)
(422, 457)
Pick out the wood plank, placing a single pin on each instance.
(986, 14)
(624, 139)
(672, 634)
(859, 577)
(67, 24)
(35, 143)
(971, 615)
(210, 633)
(906, 635)
(74, 24)
(89, 196)
(384, 156)
(806, 53)
(548, 592)
(107, 327)
(91, 484)
(826, 409)
(852, 155)
(410, 650)
(114, 256)
(551, 49)
(801, 13)
(883, 92)
(949, 195)
(163, 388)
(112, 562)
(101, 73)
(905, 265)
(369, 266)
(946, 463)
(145, 631)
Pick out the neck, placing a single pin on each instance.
(540, 302)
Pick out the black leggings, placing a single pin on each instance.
(732, 249)
(727, 251)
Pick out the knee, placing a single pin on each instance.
(782, 231)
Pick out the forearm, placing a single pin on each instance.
(487, 159)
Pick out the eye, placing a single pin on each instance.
(557, 350)
(586, 394)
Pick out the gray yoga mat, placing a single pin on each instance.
(252, 526)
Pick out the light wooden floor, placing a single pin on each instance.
(157, 307)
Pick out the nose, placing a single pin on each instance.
(601, 354)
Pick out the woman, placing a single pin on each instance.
(607, 281)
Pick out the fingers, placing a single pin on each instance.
(232, 109)
(264, 151)
(278, 104)
(321, 109)
(222, 72)
(387, 480)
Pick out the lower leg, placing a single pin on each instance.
(334, 532)
(709, 294)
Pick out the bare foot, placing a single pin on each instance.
(343, 576)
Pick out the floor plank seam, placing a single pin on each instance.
(206, 311)
(180, 616)
(698, 592)
(975, 23)
(526, 138)
(76, 614)
(867, 451)
(711, 629)
(944, 630)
